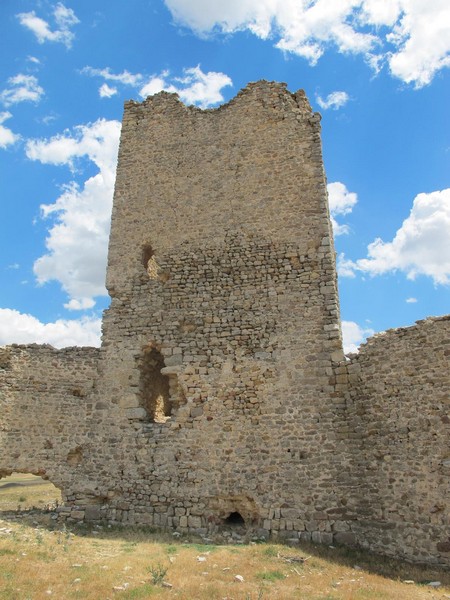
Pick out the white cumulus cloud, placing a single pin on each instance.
(22, 88)
(421, 245)
(80, 304)
(345, 266)
(80, 218)
(126, 78)
(193, 86)
(20, 328)
(64, 18)
(353, 335)
(421, 37)
(107, 91)
(7, 137)
(411, 36)
(341, 202)
(335, 100)
(204, 89)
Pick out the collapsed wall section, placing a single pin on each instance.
(45, 404)
(399, 401)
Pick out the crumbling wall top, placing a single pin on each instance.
(262, 89)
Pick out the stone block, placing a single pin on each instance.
(92, 513)
(345, 538)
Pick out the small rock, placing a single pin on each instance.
(121, 588)
(408, 581)
(434, 584)
(166, 584)
(239, 578)
(77, 580)
(201, 558)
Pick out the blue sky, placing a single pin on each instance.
(377, 70)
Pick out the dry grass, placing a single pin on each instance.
(24, 491)
(41, 559)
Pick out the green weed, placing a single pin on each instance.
(158, 572)
(143, 591)
(270, 551)
(271, 575)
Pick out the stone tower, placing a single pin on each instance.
(224, 321)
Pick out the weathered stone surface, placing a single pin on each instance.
(220, 397)
(346, 538)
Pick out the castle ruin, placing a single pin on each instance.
(220, 395)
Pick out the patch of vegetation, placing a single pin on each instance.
(270, 551)
(129, 547)
(45, 557)
(271, 575)
(202, 547)
(158, 573)
(143, 591)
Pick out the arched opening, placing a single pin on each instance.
(154, 387)
(234, 519)
(154, 270)
(25, 491)
(147, 255)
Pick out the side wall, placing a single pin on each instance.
(400, 407)
(45, 407)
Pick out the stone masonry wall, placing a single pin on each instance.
(45, 407)
(220, 400)
(222, 277)
(400, 405)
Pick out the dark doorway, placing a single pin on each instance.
(234, 519)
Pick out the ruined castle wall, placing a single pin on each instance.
(221, 386)
(224, 303)
(400, 401)
(45, 405)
